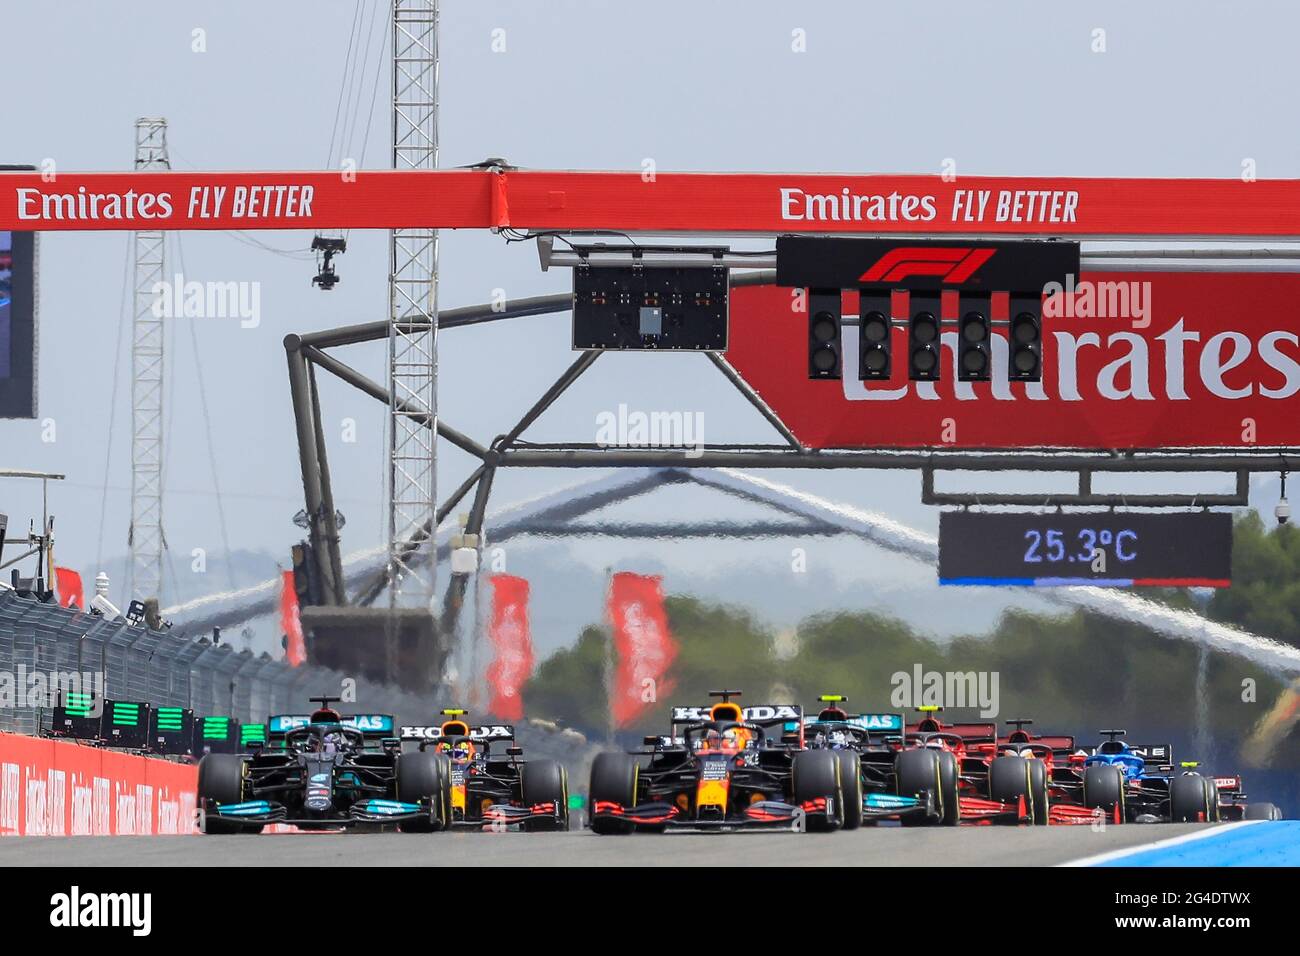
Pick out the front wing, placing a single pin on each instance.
(660, 815)
(363, 811)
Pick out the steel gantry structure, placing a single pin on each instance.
(413, 311)
(148, 364)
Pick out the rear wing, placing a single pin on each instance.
(484, 734)
(1155, 754)
(762, 714)
(871, 723)
(371, 725)
(971, 733)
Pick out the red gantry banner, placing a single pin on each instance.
(1130, 360)
(513, 644)
(662, 202)
(643, 643)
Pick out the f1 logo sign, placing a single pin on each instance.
(951, 265)
(923, 265)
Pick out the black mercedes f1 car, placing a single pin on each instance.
(325, 772)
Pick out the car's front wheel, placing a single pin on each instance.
(221, 781)
(425, 777)
(545, 781)
(613, 780)
(817, 777)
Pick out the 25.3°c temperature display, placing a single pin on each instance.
(1050, 545)
(1117, 549)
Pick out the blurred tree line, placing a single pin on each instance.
(1265, 593)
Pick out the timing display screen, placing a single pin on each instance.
(1110, 549)
(17, 323)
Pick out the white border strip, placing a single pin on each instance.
(1110, 855)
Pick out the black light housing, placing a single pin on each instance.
(1025, 338)
(824, 333)
(923, 352)
(874, 335)
(974, 331)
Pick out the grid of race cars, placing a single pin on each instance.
(721, 766)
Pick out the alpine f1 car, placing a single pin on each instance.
(323, 772)
(722, 767)
(495, 790)
(1140, 783)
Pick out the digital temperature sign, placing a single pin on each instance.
(1107, 549)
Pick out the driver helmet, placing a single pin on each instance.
(458, 749)
(711, 739)
(736, 738)
(837, 739)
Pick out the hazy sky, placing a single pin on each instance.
(1183, 89)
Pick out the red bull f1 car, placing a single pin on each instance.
(494, 790)
(324, 771)
(721, 767)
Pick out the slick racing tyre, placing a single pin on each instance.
(613, 780)
(817, 776)
(1012, 777)
(1213, 797)
(950, 800)
(916, 772)
(221, 780)
(851, 783)
(1190, 800)
(1103, 789)
(1262, 811)
(545, 781)
(425, 776)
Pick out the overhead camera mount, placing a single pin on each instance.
(329, 247)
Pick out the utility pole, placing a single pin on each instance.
(147, 355)
(413, 314)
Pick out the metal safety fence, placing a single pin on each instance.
(43, 644)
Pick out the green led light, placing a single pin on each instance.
(125, 714)
(216, 728)
(171, 718)
(576, 801)
(249, 733)
(77, 704)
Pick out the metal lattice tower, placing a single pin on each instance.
(412, 294)
(146, 534)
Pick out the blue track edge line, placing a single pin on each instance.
(1271, 843)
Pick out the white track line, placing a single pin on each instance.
(1106, 857)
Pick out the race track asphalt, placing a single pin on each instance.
(870, 846)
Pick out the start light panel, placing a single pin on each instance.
(650, 308)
